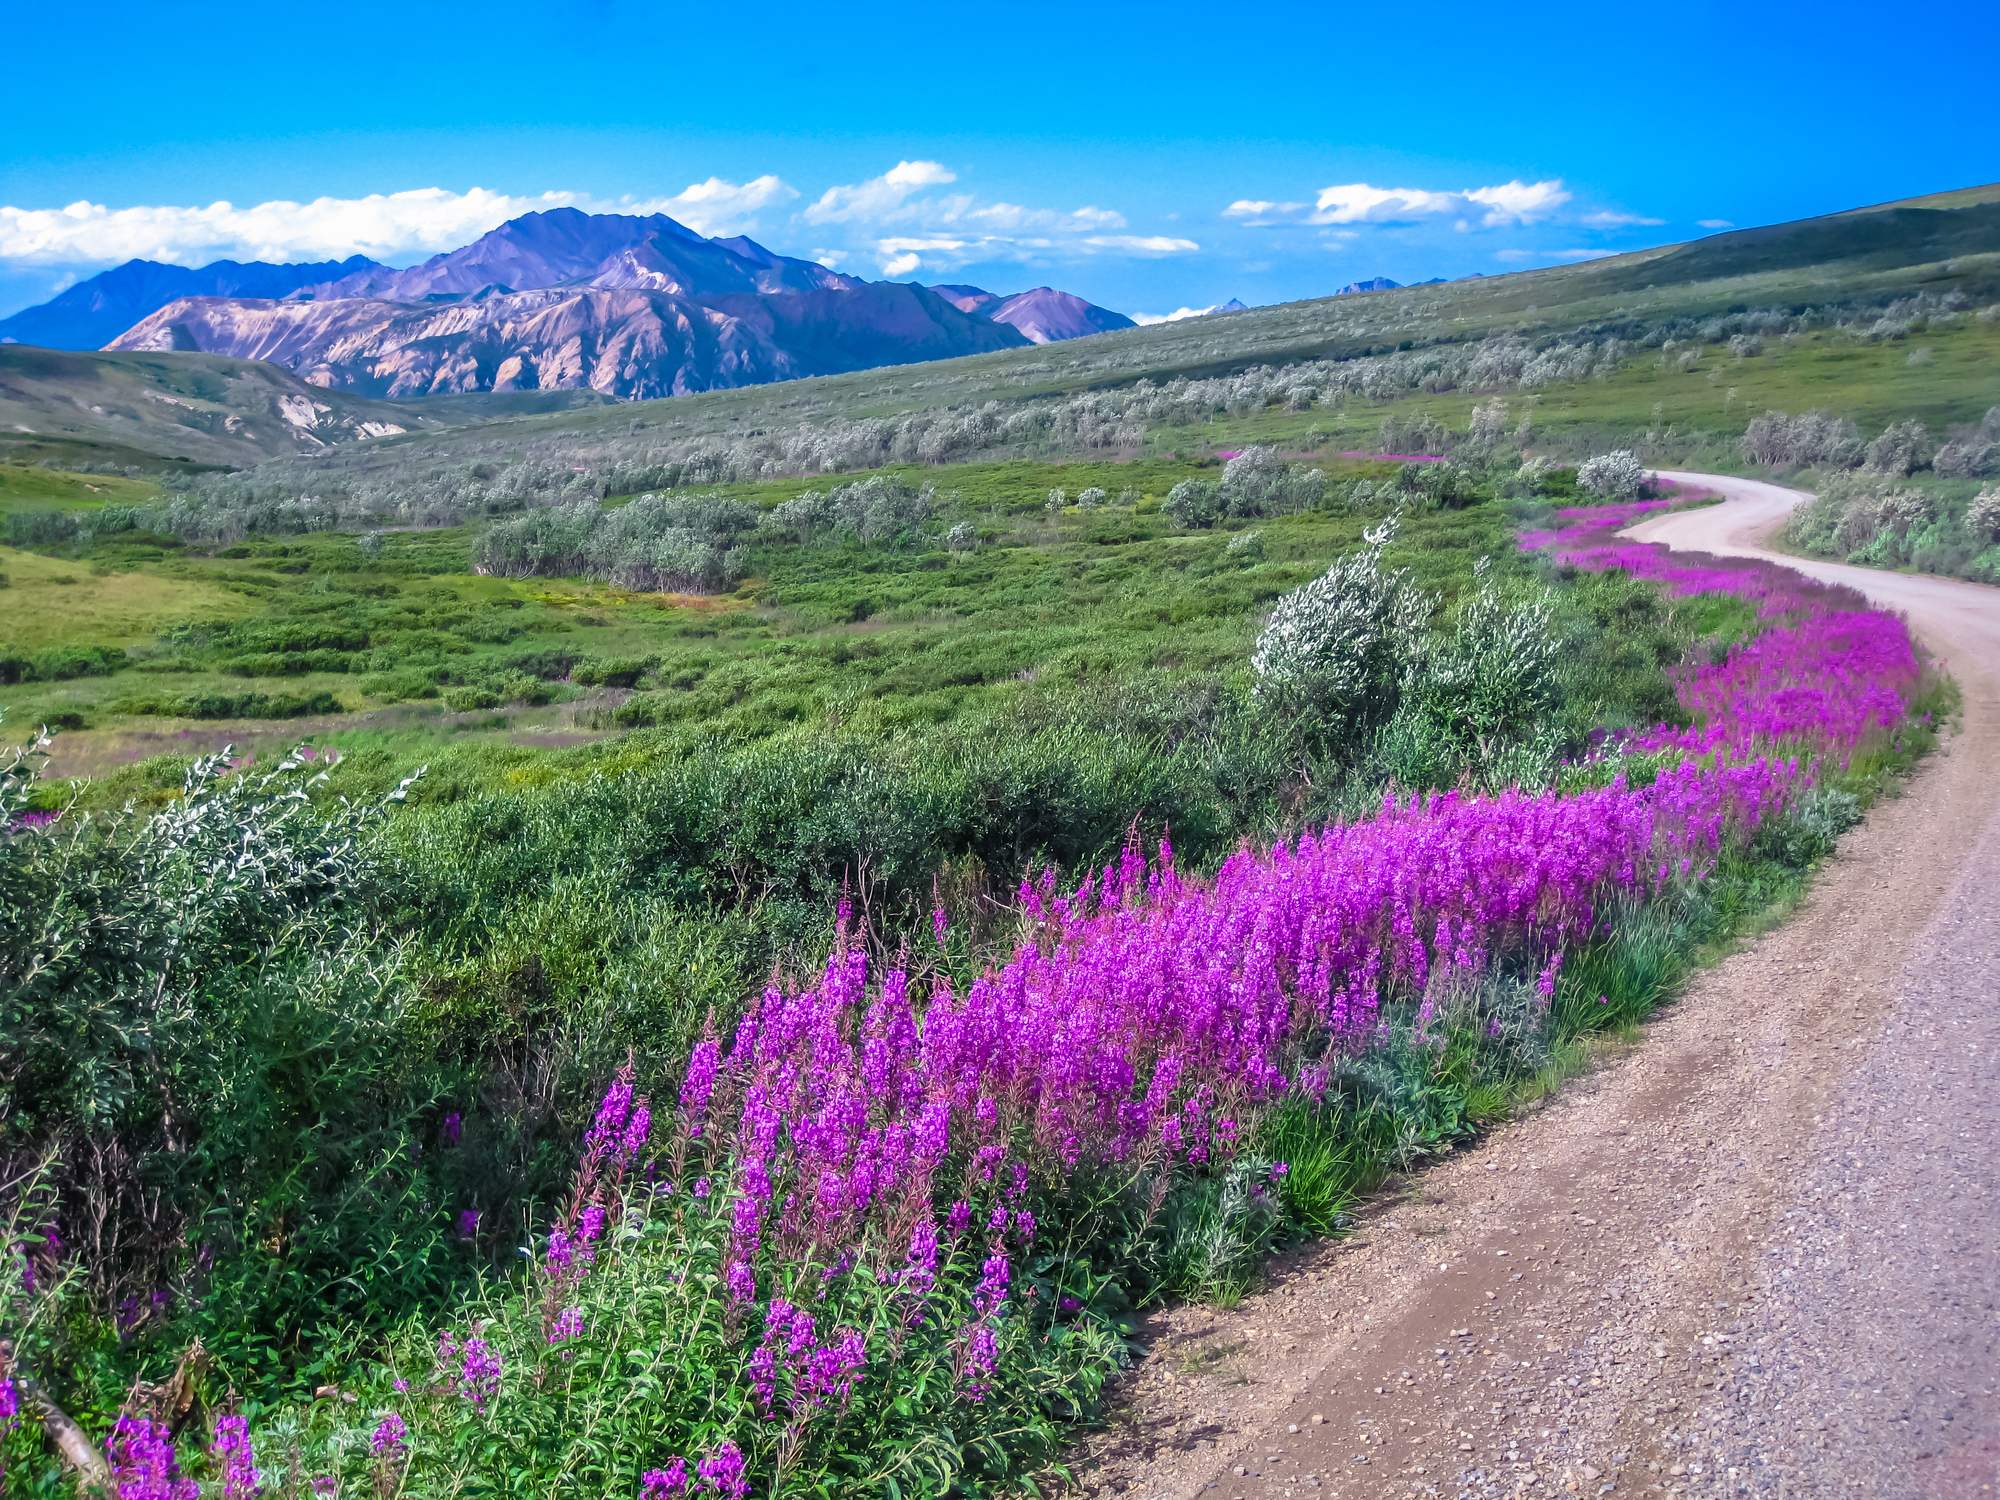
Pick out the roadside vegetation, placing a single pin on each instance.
(758, 973)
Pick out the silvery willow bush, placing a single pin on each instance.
(200, 1049)
(1334, 648)
(685, 544)
(1353, 654)
(1612, 476)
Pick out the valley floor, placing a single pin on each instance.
(1758, 1255)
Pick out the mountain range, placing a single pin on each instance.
(1044, 315)
(627, 306)
(92, 313)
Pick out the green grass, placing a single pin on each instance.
(868, 640)
(58, 602)
(31, 487)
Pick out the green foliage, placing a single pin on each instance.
(202, 1041)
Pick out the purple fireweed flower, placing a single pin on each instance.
(568, 1325)
(700, 1082)
(980, 1354)
(664, 1484)
(742, 1281)
(454, 1124)
(959, 1219)
(1279, 1169)
(992, 1288)
(591, 1226)
(723, 1469)
(478, 1373)
(763, 1368)
(938, 925)
(701, 1187)
(1024, 1225)
(238, 1461)
(637, 1129)
(10, 1404)
(563, 1254)
(923, 1256)
(390, 1438)
(143, 1464)
(830, 1370)
(468, 1223)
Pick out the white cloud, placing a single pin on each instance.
(1362, 203)
(895, 221)
(1715, 223)
(382, 226)
(1140, 244)
(937, 233)
(1003, 216)
(879, 197)
(1519, 202)
(1146, 319)
(1608, 220)
(718, 207)
(1257, 213)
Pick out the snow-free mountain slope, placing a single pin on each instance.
(970, 299)
(630, 307)
(196, 407)
(94, 312)
(1048, 316)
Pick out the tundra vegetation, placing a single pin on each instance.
(1006, 879)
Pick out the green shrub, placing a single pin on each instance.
(621, 671)
(470, 697)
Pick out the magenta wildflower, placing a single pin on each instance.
(10, 1404)
(980, 1356)
(664, 1484)
(568, 1325)
(723, 1471)
(637, 1129)
(239, 1462)
(468, 1224)
(478, 1373)
(390, 1438)
(453, 1124)
(992, 1288)
(143, 1463)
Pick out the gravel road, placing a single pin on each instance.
(1757, 1254)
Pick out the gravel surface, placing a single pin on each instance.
(1757, 1254)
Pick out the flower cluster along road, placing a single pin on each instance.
(1756, 1255)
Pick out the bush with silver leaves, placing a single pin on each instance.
(1613, 476)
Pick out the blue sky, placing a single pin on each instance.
(1149, 157)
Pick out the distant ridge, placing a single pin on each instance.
(626, 306)
(92, 313)
(1044, 315)
(1379, 284)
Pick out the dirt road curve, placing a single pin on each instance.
(1758, 1255)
